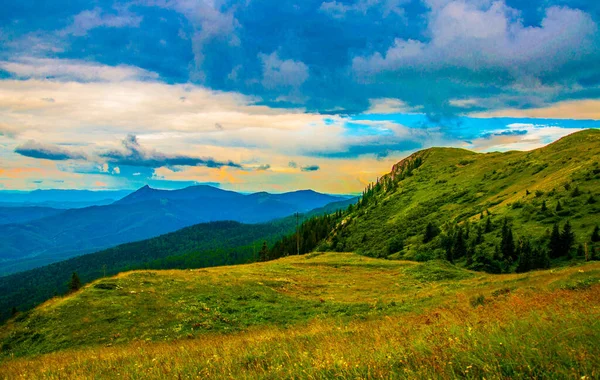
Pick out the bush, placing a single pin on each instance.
(478, 300)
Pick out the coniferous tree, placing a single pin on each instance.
(555, 244)
(567, 238)
(540, 259)
(596, 234)
(591, 200)
(431, 232)
(459, 248)
(544, 207)
(580, 251)
(488, 225)
(263, 255)
(558, 206)
(75, 283)
(525, 263)
(13, 311)
(507, 244)
(479, 237)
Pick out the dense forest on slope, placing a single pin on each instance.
(497, 212)
(199, 246)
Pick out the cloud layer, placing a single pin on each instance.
(282, 95)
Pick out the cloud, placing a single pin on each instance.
(95, 18)
(73, 70)
(340, 9)
(133, 154)
(7, 130)
(47, 152)
(210, 22)
(580, 109)
(263, 167)
(484, 48)
(292, 164)
(282, 73)
(310, 168)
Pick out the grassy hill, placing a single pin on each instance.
(202, 245)
(455, 190)
(315, 316)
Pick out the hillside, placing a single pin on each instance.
(315, 316)
(141, 215)
(198, 246)
(462, 206)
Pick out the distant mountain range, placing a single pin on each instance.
(29, 242)
(61, 199)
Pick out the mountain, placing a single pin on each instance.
(141, 215)
(321, 316)
(10, 215)
(498, 212)
(147, 193)
(63, 199)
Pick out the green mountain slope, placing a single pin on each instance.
(456, 191)
(321, 315)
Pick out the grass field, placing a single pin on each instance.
(332, 315)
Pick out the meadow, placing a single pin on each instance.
(330, 315)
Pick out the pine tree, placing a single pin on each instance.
(596, 234)
(13, 311)
(544, 207)
(459, 248)
(558, 207)
(555, 244)
(525, 257)
(488, 225)
(567, 238)
(540, 259)
(507, 245)
(479, 237)
(431, 232)
(580, 251)
(263, 255)
(75, 283)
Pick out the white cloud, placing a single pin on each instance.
(282, 73)
(486, 35)
(95, 18)
(339, 9)
(73, 70)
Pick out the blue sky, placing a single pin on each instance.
(116, 94)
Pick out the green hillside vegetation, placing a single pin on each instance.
(494, 212)
(315, 316)
(199, 246)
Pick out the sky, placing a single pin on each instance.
(278, 95)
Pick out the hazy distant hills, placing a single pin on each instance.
(62, 199)
(9, 215)
(140, 215)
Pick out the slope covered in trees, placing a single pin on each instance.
(496, 212)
